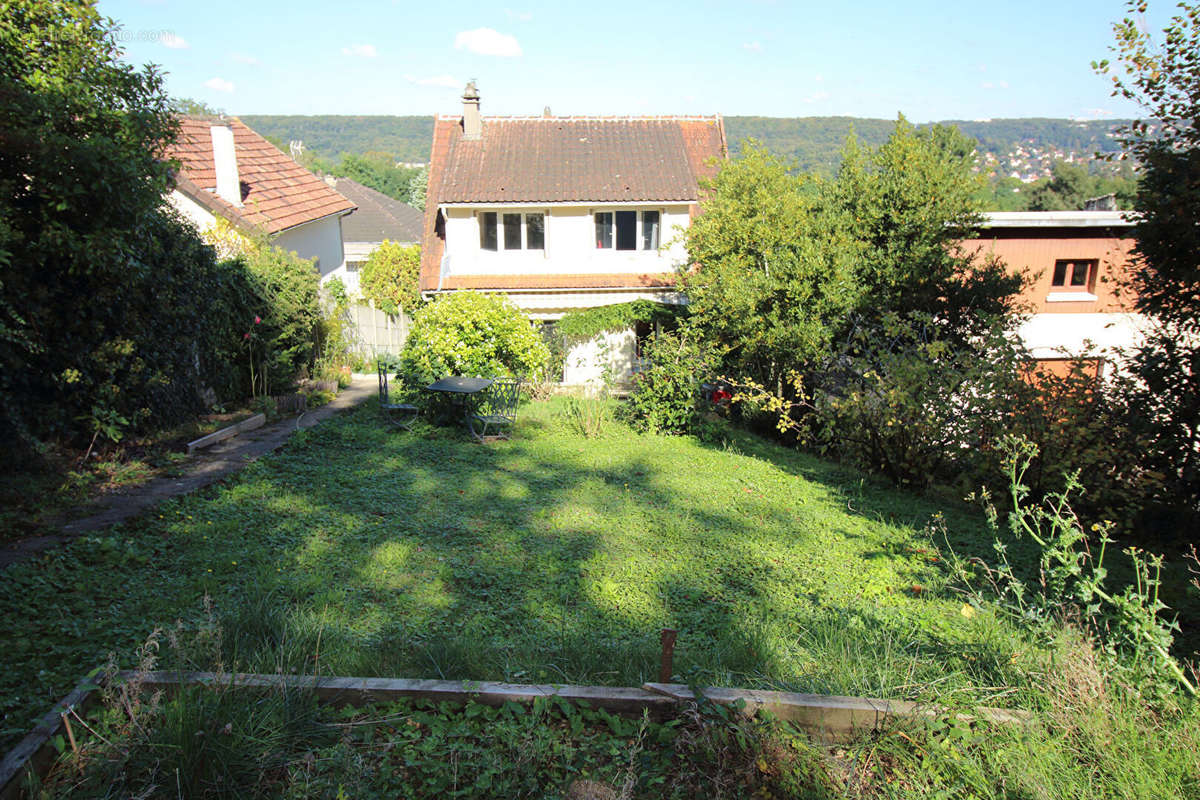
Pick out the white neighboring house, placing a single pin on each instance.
(377, 218)
(229, 171)
(564, 213)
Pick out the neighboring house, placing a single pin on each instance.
(1075, 261)
(229, 171)
(377, 218)
(563, 213)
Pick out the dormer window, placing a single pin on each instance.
(627, 230)
(513, 231)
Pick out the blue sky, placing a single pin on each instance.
(929, 60)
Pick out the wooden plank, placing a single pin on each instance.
(34, 754)
(363, 691)
(831, 716)
(257, 421)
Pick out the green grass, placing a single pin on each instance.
(360, 550)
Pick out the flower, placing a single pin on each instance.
(257, 319)
(247, 335)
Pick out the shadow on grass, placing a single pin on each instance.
(357, 550)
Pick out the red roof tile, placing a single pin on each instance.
(277, 193)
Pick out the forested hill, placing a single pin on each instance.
(814, 142)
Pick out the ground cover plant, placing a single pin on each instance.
(557, 558)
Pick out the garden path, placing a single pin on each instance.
(207, 467)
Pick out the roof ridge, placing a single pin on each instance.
(593, 118)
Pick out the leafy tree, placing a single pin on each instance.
(391, 277)
(1164, 79)
(1070, 186)
(188, 106)
(773, 266)
(81, 187)
(911, 201)
(378, 171)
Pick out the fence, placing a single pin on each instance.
(372, 332)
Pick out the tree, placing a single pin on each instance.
(81, 187)
(391, 277)
(1164, 79)
(773, 267)
(911, 202)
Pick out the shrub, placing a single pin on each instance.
(390, 277)
(470, 333)
(666, 394)
(285, 313)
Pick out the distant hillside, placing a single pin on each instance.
(1022, 146)
(816, 142)
(405, 138)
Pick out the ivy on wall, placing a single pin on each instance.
(579, 326)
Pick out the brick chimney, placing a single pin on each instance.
(472, 122)
(229, 187)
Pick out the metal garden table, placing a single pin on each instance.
(464, 391)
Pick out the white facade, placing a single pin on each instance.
(320, 239)
(570, 242)
(1080, 335)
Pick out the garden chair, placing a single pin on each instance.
(498, 409)
(402, 415)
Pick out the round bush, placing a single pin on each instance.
(474, 334)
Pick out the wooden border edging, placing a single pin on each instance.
(828, 717)
(249, 424)
(34, 753)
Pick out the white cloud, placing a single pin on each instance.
(815, 97)
(753, 47)
(168, 39)
(994, 85)
(360, 50)
(448, 81)
(242, 58)
(219, 84)
(487, 42)
(523, 16)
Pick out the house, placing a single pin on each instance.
(565, 213)
(1075, 261)
(228, 171)
(376, 219)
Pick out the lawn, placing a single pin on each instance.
(360, 550)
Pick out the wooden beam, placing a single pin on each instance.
(257, 421)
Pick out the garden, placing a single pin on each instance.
(557, 558)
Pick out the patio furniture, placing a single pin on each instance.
(498, 410)
(463, 391)
(402, 415)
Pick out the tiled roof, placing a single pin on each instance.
(378, 217)
(277, 193)
(566, 159)
(561, 281)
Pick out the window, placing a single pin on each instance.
(627, 230)
(512, 231)
(487, 230)
(649, 230)
(1078, 276)
(518, 231)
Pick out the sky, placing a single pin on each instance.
(927, 60)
